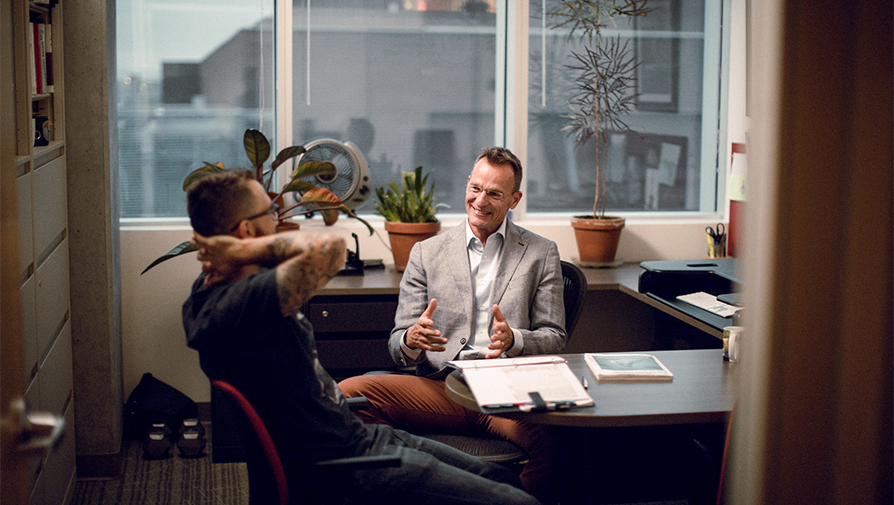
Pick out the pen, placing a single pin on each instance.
(583, 381)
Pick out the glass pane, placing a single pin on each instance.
(409, 83)
(192, 77)
(655, 167)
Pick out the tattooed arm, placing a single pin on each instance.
(308, 267)
(303, 263)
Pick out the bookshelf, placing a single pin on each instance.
(41, 188)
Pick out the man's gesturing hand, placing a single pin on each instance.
(422, 336)
(502, 339)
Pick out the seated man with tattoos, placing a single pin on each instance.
(243, 318)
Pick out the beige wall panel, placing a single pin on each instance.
(55, 374)
(30, 350)
(26, 234)
(52, 295)
(50, 204)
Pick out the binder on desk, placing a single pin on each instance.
(535, 383)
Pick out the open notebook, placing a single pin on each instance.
(523, 384)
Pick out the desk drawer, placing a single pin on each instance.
(331, 316)
(359, 355)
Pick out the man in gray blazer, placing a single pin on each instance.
(483, 290)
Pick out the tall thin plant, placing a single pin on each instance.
(605, 82)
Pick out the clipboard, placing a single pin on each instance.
(530, 384)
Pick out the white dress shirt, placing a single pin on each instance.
(484, 262)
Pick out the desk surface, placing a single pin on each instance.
(386, 281)
(625, 278)
(702, 391)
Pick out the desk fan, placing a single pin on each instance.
(351, 181)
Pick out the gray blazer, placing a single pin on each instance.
(528, 288)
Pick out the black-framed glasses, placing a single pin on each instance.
(493, 194)
(273, 209)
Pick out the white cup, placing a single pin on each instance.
(732, 342)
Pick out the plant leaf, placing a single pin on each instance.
(256, 147)
(299, 186)
(287, 154)
(198, 173)
(320, 196)
(314, 168)
(409, 202)
(330, 216)
(182, 248)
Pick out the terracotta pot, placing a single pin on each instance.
(404, 235)
(597, 239)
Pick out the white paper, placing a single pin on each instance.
(710, 303)
(738, 169)
(510, 381)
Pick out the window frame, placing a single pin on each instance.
(511, 113)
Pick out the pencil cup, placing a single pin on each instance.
(731, 342)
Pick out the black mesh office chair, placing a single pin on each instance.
(502, 451)
(267, 484)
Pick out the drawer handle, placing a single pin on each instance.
(325, 313)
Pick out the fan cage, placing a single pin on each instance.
(352, 173)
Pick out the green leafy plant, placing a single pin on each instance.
(307, 195)
(408, 203)
(604, 84)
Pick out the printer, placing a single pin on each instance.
(666, 280)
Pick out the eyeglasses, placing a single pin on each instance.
(273, 209)
(493, 194)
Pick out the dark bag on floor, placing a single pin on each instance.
(154, 402)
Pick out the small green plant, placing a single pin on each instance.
(309, 196)
(408, 203)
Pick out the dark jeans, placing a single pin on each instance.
(433, 473)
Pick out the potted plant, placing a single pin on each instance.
(409, 213)
(311, 197)
(604, 85)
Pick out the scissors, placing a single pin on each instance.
(716, 234)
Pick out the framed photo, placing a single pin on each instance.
(658, 56)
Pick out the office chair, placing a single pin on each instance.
(575, 282)
(503, 451)
(267, 482)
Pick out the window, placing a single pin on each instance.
(410, 83)
(189, 85)
(661, 164)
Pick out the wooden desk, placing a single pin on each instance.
(702, 391)
(353, 316)
(624, 278)
(641, 441)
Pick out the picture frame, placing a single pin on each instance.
(657, 47)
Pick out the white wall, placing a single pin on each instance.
(152, 334)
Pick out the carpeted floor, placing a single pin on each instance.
(171, 481)
(179, 481)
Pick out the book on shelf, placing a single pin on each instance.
(42, 36)
(38, 40)
(48, 59)
(31, 61)
(534, 383)
(627, 367)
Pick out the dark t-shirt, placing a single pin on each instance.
(243, 338)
